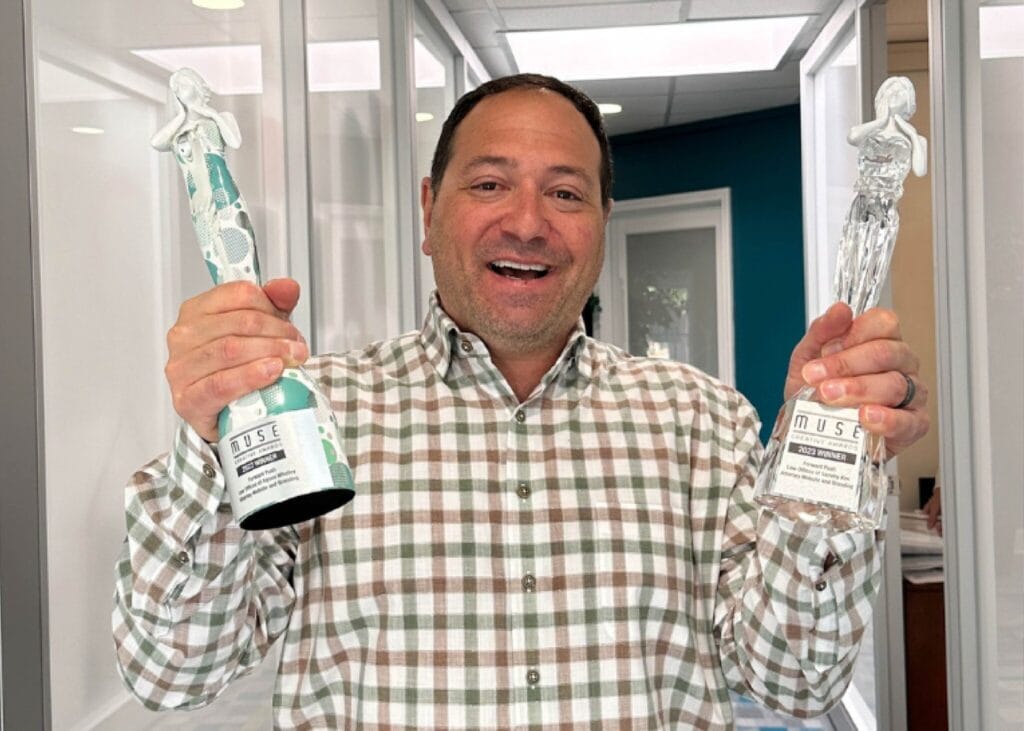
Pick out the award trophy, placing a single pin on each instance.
(820, 466)
(279, 447)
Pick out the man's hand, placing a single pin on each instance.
(861, 363)
(229, 341)
(933, 510)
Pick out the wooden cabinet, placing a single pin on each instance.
(925, 637)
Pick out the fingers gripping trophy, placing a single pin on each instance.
(279, 446)
(820, 466)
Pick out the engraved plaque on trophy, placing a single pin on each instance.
(820, 466)
(279, 447)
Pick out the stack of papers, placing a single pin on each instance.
(920, 549)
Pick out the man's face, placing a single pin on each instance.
(516, 231)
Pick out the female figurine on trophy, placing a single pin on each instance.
(820, 466)
(888, 147)
(279, 446)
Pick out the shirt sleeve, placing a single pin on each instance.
(789, 630)
(198, 601)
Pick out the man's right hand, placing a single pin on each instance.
(227, 342)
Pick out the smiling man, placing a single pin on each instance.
(547, 532)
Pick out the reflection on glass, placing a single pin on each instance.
(838, 95)
(346, 174)
(672, 298)
(116, 258)
(435, 97)
(1002, 99)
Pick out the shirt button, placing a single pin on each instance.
(520, 416)
(209, 471)
(466, 346)
(523, 490)
(532, 677)
(529, 583)
(182, 558)
(821, 585)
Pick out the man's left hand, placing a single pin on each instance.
(861, 362)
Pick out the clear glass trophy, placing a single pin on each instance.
(279, 447)
(820, 466)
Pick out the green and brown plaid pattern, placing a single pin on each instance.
(589, 558)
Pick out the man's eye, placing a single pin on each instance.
(489, 185)
(567, 195)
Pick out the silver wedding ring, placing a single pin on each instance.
(911, 392)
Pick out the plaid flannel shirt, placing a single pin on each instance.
(588, 558)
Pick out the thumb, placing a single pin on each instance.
(283, 294)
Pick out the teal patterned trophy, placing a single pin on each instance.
(280, 446)
(820, 466)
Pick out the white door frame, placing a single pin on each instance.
(701, 209)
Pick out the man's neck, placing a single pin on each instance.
(524, 370)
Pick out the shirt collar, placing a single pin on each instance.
(443, 341)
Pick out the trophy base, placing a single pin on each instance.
(822, 468)
(297, 509)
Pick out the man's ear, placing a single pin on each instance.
(427, 206)
(607, 210)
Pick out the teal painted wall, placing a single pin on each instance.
(756, 156)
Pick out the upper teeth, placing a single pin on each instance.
(522, 267)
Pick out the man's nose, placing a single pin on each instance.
(526, 218)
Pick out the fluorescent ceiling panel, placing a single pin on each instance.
(332, 66)
(639, 51)
(1001, 31)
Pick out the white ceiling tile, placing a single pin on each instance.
(620, 124)
(707, 105)
(454, 5)
(640, 105)
(712, 9)
(503, 4)
(479, 27)
(788, 76)
(625, 87)
(591, 16)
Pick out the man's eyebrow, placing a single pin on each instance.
(573, 171)
(499, 161)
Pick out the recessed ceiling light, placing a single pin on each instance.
(219, 4)
(1001, 31)
(87, 130)
(677, 49)
(424, 116)
(609, 108)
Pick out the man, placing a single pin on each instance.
(546, 531)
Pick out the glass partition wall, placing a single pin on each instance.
(977, 105)
(315, 89)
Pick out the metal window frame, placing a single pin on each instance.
(24, 641)
(957, 221)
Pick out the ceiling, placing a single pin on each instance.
(649, 102)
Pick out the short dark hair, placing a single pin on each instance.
(583, 103)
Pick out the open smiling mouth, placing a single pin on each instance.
(513, 270)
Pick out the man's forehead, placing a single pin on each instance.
(506, 113)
